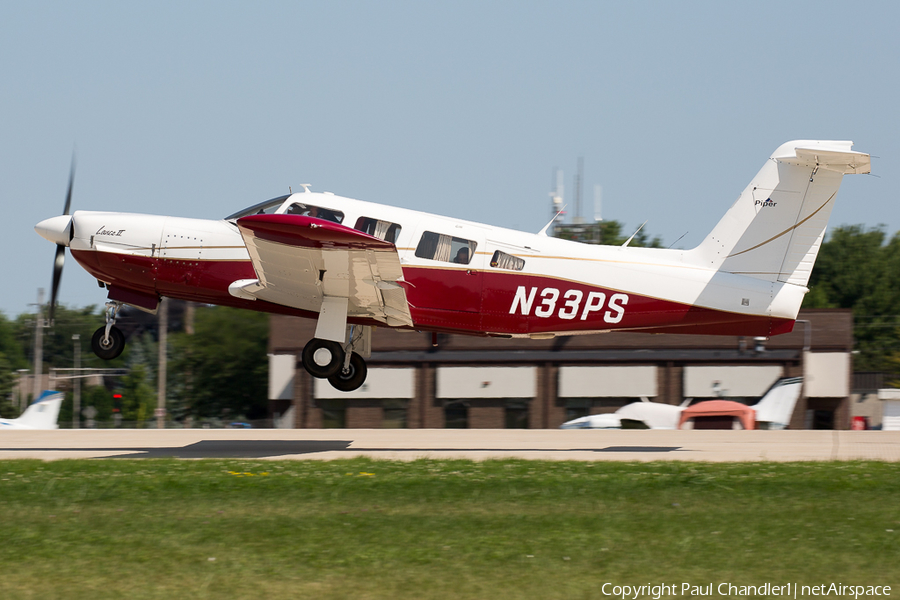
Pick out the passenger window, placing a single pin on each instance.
(308, 210)
(437, 246)
(502, 260)
(383, 230)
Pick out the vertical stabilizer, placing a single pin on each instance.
(42, 413)
(774, 230)
(777, 405)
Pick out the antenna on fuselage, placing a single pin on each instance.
(543, 231)
(306, 187)
(628, 241)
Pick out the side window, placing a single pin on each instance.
(437, 246)
(308, 210)
(383, 230)
(502, 260)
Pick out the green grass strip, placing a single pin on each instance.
(500, 529)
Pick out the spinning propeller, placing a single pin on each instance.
(68, 231)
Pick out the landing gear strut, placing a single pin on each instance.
(344, 368)
(109, 341)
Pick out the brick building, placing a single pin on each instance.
(480, 382)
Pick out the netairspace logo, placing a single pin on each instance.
(788, 590)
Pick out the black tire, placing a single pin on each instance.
(319, 364)
(353, 377)
(112, 347)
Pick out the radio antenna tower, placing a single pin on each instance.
(556, 196)
(579, 175)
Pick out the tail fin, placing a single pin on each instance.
(774, 230)
(43, 412)
(777, 405)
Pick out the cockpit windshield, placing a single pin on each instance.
(263, 208)
(277, 206)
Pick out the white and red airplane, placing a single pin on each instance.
(354, 265)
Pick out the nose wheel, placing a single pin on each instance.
(108, 346)
(109, 341)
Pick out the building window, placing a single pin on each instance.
(456, 415)
(515, 414)
(334, 414)
(502, 260)
(577, 408)
(394, 413)
(446, 248)
(383, 230)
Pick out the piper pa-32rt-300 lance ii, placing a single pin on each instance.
(355, 265)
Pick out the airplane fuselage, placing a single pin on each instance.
(540, 286)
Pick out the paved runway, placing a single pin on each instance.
(476, 444)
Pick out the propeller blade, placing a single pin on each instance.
(57, 275)
(71, 182)
(60, 259)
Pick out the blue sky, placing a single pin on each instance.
(198, 109)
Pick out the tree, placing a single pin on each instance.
(10, 347)
(138, 395)
(59, 348)
(7, 378)
(223, 367)
(855, 269)
(607, 233)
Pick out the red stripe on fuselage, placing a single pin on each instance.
(452, 300)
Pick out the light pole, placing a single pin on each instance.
(76, 394)
(38, 345)
(163, 327)
(23, 393)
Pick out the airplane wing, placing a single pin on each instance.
(303, 261)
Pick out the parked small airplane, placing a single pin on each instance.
(354, 265)
(40, 414)
(772, 411)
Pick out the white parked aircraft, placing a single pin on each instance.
(352, 265)
(40, 414)
(774, 409)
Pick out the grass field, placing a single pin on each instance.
(437, 529)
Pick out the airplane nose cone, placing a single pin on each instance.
(56, 229)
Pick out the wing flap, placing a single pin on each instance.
(301, 260)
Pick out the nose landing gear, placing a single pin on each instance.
(109, 341)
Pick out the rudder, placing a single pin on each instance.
(774, 230)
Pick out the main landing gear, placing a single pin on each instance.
(343, 367)
(108, 341)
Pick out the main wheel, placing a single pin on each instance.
(108, 348)
(353, 377)
(322, 358)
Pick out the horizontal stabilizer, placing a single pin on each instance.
(842, 162)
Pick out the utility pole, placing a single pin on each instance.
(163, 327)
(76, 391)
(38, 345)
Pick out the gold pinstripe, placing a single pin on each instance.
(786, 231)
